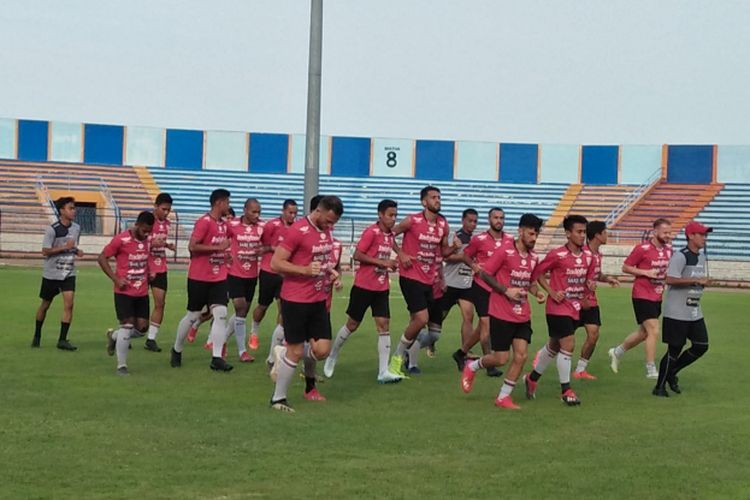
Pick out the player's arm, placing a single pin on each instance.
(103, 260)
(402, 226)
(630, 266)
(540, 276)
(196, 244)
(674, 273)
(608, 278)
(446, 249)
(49, 239)
(456, 255)
(280, 264)
(536, 292)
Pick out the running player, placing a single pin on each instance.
(304, 259)
(132, 252)
(508, 272)
(371, 290)
(648, 263)
(207, 280)
(683, 317)
(158, 266)
(60, 249)
(596, 234)
(569, 270)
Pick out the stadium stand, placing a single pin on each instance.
(729, 215)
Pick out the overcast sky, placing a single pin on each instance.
(584, 71)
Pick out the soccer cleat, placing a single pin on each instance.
(219, 365)
(431, 351)
(111, 342)
(530, 387)
(282, 405)
(329, 366)
(569, 398)
(314, 395)
(136, 334)
(652, 374)
(175, 360)
(64, 345)
(494, 372)
(209, 346)
(192, 333)
(253, 343)
(395, 366)
(414, 370)
(674, 384)
(506, 402)
(388, 378)
(278, 353)
(151, 345)
(467, 379)
(660, 392)
(35, 342)
(460, 358)
(246, 358)
(123, 371)
(536, 360)
(583, 375)
(614, 361)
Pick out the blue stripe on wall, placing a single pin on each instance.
(32, 140)
(599, 164)
(518, 163)
(434, 160)
(102, 144)
(269, 153)
(184, 149)
(350, 156)
(690, 164)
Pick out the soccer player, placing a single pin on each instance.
(568, 267)
(683, 317)
(245, 233)
(425, 239)
(430, 334)
(60, 249)
(371, 290)
(207, 280)
(303, 257)
(648, 263)
(596, 234)
(508, 272)
(132, 252)
(158, 266)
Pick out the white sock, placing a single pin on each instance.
(506, 389)
(650, 367)
(153, 331)
(277, 338)
(123, 344)
(341, 337)
(424, 337)
(384, 351)
(545, 358)
(582, 364)
(619, 351)
(403, 345)
(239, 333)
(434, 332)
(254, 327)
(563, 366)
(183, 328)
(284, 377)
(218, 335)
(476, 365)
(414, 354)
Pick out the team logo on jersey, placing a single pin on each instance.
(323, 236)
(578, 260)
(431, 229)
(523, 262)
(248, 229)
(140, 246)
(304, 229)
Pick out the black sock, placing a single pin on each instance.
(667, 364)
(689, 356)
(64, 327)
(38, 329)
(460, 353)
(309, 384)
(565, 386)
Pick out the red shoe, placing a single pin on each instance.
(314, 395)
(467, 378)
(252, 344)
(246, 358)
(584, 375)
(192, 334)
(209, 346)
(530, 387)
(506, 402)
(569, 398)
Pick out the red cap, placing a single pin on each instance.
(695, 227)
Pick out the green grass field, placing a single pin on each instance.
(72, 429)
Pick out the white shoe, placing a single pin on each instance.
(329, 366)
(652, 375)
(278, 353)
(388, 378)
(614, 361)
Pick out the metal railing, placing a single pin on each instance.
(111, 201)
(632, 197)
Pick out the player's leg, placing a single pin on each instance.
(317, 348)
(698, 336)
(651, 326)
(468, 337)
(418, 297)
(218, 336)
(564, 363)
(296, 317)
(119, 342)
(197, 292)
(359, 301)
(159, 294)
(587, 350)
(41, 315)
(520, 355)
(237, 325)
(500, 334)
(68, 297)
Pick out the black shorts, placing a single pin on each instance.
(436, 311)
(417, 295)
(646, 309)
(206, 294)
(50, 288)
(560, 327)
(270, 288)
(127, 307)
(590, 316)
(159, 281)
(503, 332)
(481, 300)
(676, 332)
(241, 287)
(305, 321)
(361, 299)
(453, 295)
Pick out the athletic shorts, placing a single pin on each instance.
(676, 332)
(361, 299)
(453, 295)
(417, 295)
(481, 300)
(159, 281)
(50, 288)
(646, 309)
(503, 332)
(206, 294)
(127, 306)
(436, 311)
(560, 327)
(304, 321)
(270, 288)
(241, 287)
(590, 316)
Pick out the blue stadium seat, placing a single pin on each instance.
(729, 215)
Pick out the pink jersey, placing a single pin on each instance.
(208, 266)
(132, 262)
(378, 244)
(273, 231)
(306, 243)
(158, 240)
(245, 248)
(647, 256)
(335, 261)
(482, 247)
(594, 272)
(512, 270)
(568, 273)
(422, 241)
